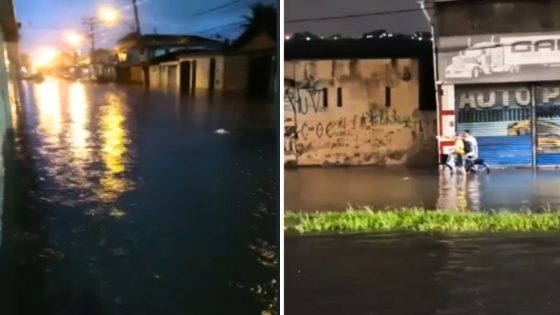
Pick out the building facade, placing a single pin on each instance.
(355, 112)
(359, 102)
(249, 68)
(498, 76)
(9, 84)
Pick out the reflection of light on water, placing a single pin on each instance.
(79, 134)
(458, 193)
(48, 103)
(114, 149)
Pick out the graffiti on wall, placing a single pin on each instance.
(355, 112)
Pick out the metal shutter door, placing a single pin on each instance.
(499, 116)
(548, 124)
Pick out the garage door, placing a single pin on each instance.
(547, 114)
(500, 118)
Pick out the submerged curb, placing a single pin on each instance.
(420, 220)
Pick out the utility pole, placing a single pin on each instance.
(136, 18)
(91, 24)
(141, 46)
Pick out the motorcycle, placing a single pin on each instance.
(472, 166)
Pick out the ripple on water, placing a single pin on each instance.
(430, 274)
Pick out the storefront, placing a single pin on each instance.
(515, 124)
(505, 89)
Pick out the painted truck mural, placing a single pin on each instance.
(356, 112)
(499, 58)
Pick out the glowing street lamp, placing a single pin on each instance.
(108, 15)
(74, 39)
(44, 56)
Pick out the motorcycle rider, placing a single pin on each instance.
(471, 148)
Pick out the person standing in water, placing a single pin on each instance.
(459, 151)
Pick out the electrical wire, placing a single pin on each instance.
(353, 16)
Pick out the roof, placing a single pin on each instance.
(164, 40)
(176, 55)
(8, 21)
(357, 48)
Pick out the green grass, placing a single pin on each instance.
(420, 220)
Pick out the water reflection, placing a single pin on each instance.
(114, 149)
(460, 193)
(78, 134)
(48, 103)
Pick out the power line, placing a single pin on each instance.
(218, 7)
(353, 16)
(225, 26)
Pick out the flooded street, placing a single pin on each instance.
(120, 201)
(333, 189)
(422, 274)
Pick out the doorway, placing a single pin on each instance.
(185, 77)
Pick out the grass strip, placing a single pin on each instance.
(420, 220)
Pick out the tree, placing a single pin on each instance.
(263, 19)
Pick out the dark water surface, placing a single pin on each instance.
(422, 274)
(333, 189)
(122, 202)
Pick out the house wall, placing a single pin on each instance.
(155, 79)
(136, 75)
(236, 70)
(203, 71)
(339, 112)
(9, 91)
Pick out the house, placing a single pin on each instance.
(247, 67)
(135, 52)
(103, 65)
(498, 77)
(359, 102)
(9, 65)
(9, 84)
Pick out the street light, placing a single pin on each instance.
(74, 39)
(108, 15)
(44, 56)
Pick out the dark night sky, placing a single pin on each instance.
(44, 21)
(398, 23)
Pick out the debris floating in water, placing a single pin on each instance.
(221, 131)
(117, 213)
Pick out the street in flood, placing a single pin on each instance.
(327, 189)
(422, 274)
(122, 201)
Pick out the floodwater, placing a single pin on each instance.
(120, 201)
(334, 189)
(422, 274)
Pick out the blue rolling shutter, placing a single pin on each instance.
(499, 116)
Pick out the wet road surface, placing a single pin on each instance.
(122, 202)
(422, 274)
(333, 189)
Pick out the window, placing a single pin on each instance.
(387, 96)
(339, 97)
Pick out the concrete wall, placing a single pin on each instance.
(136, 74)
(496, 16)
(155, 77)
(9, 92)
(203, 71)
(338, 112)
